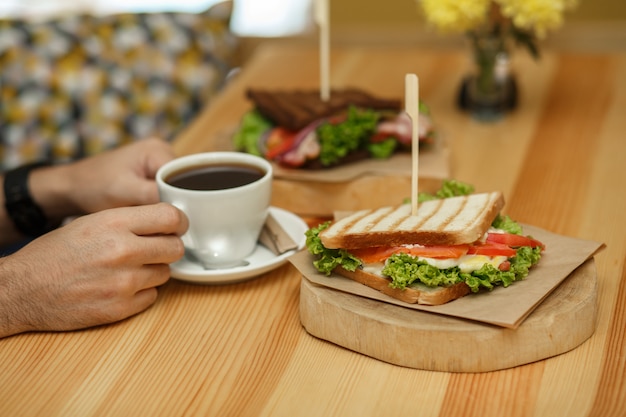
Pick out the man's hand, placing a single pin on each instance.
(122, 177)
(98, 269)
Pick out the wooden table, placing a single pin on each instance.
(239, 350)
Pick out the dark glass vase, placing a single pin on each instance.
(491, 90)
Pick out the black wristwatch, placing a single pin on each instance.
(27, 216)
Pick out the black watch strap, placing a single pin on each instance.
(27, 216)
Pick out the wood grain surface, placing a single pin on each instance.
(240, 350)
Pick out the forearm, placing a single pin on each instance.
(11, 309)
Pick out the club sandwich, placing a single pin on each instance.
(296, 129)
(449, 248)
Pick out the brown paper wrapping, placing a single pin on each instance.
(505, 307)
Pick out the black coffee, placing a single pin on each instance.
(214, 177)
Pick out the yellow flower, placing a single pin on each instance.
(535, 16)
(456, 15)
(539, 16)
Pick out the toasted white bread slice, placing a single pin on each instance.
(419, 294)
(449, 221)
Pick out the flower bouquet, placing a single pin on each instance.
(493, 27)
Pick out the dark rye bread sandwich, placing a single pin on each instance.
(448, 249)
(295, 109)
(297, 129)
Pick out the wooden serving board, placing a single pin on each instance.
(422, 340)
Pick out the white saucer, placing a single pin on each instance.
(259, 262)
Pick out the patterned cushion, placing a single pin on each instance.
(74, 86)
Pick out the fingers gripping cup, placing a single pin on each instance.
(226, 196)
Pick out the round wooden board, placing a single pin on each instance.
(422, 340)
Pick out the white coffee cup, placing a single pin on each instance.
(224, 224)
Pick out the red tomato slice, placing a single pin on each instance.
(437, 251)
(379, 254)
(491, 249)
(374, 254)
(514, 240)
(280, 140)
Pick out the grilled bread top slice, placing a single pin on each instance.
(449, 221)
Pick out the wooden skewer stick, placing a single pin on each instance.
(322, 20)
(411, 105)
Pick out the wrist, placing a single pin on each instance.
(51, 188)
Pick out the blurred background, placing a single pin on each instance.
(597, 24)
(80, 76)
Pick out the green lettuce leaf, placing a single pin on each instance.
(338, 140)
(328, 259)
(449, 188)
(252, 126)
(507, 224)
(404, 270)
(383, 149)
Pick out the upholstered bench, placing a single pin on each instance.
(76, 85)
